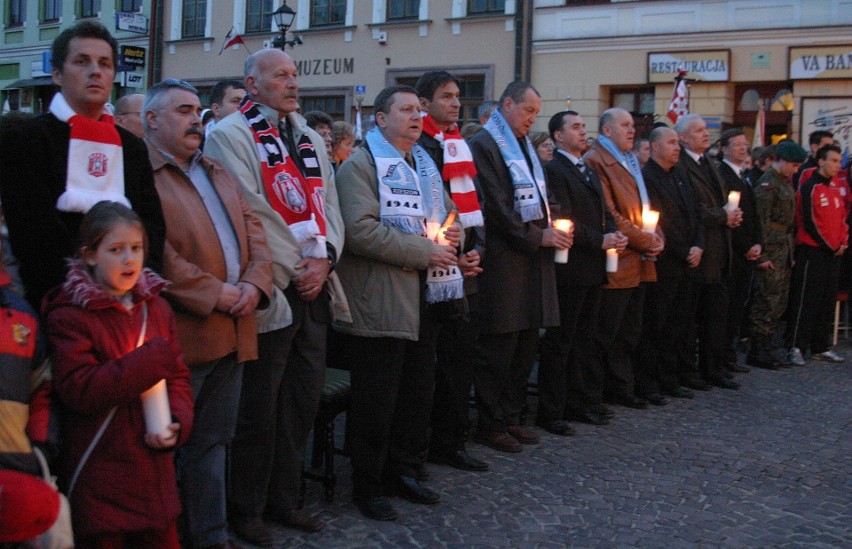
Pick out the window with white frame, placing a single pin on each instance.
(328, 12)
(259, 15)
(194, 18)
(403, 9)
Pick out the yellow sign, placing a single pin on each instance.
(822, 63)
(706, 66)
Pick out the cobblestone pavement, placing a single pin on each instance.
(765, 466)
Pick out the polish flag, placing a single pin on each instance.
(231, 39)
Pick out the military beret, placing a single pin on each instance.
(791, 152)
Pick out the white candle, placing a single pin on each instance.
(155, 403)
(564, 225)
(612, 260)
(733, 200)
(435, 233)
(649, 220)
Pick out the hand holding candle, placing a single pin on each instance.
(155, 404)
(566, 226)
(733, 200)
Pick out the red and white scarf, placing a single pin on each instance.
(459, 170)
(296, 197)
(95, 160)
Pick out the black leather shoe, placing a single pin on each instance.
(736, 368)
(422, 473)
(602, 410)
(656, 399)
(681, 392)
(459, 459)
(697, 384)
(376, 508)
(557, 427)
(413, 491)
(724, 383)
(298, 519)
(497, 440)
(586, 416)
(253, 530)
(630, 401)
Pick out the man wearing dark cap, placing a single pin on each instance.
(776, 210)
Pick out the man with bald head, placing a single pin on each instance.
(620, 321)
(128, 114)
(287, 179)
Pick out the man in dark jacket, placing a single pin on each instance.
(58, 165)
(711, 297)
(458, 336)
(571, 374)
(518, 282)
(667, 318)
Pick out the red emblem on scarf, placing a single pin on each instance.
(97, 164)
(289, 191)
(451, 149)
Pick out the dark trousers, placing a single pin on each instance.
(570, 374)
(619, 330)
(501, 380)
(664, 326)
(739, 288)
(166, 538)
(710, 321)
(278, 406)
(200, 462)
(393, 382)
(457, 349)
(813, 292)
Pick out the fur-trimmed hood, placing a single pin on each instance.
(81, 290)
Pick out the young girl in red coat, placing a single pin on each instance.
(125, 494)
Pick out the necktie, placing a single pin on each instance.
(581, 166)
(409, 159)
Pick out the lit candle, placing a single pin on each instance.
(649, 220)
(733, 200)
(612, 260)
(155, 403)
(564, 225)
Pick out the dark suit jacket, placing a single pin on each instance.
(580, 199)
(518, 284)
(34, 156)
(680, 216)
(748, 234)
(712, 197)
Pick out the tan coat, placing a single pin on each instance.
(194, 263)
(625, 205)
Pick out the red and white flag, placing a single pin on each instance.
(759, 126)
(680, 99)
(232, 39)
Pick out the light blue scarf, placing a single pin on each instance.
(630, 163)
(407, 199)
(530, 191)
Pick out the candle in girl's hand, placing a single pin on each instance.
(155, 403)
(612, 260)
(564, 225)
(733, 200)
(649, 220)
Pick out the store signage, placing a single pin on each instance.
(822, 63)
(131, 79)
(130, 58)
(708, 65)
(131, 22)
(322, 67)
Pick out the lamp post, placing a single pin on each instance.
(284, 17)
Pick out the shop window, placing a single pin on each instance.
(17, 13)
(90, 8)
(194, 18)
(403, 9)
(777, 100)
(259, 15)
(129, 5)
(639, 102)
(476, 7)
(332, 105)
(51, 11)
(328, 12)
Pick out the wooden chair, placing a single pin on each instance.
(335, 399)
(842, 297)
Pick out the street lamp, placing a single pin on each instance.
(284, 17)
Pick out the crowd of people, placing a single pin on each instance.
(237, 261)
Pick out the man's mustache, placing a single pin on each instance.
(197, 130)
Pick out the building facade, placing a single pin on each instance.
(350, 49)
(793, 56)
(29, 27)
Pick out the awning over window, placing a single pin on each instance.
(30, 83)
